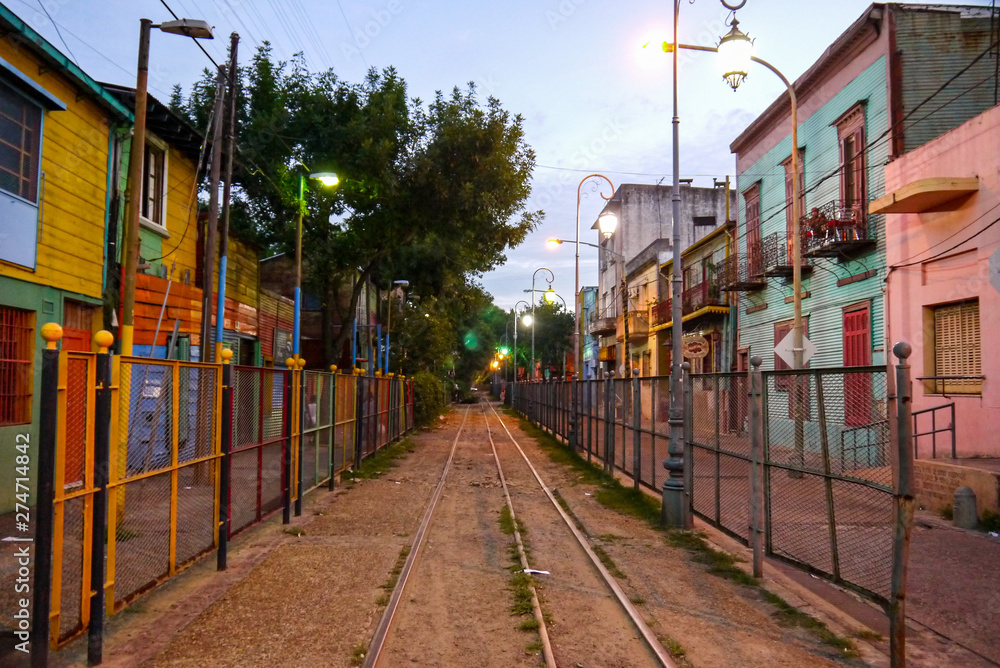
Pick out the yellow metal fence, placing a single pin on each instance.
(166, 459)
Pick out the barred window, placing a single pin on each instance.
(957, 350)
(17, 335)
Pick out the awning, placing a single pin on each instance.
(705, 310)
(925, 194)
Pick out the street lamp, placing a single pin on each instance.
(551, 278)
(196, 30)
(327, 179)
(514, 396)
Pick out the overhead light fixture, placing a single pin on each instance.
(188, 27)
(607, 222)
(735, 52)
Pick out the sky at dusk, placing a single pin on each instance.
(593, 100)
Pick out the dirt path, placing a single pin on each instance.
(713, 621)
(315, 599)
(456, 609)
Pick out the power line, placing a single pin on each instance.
(61, 38)
(193, 39)
(350, 31)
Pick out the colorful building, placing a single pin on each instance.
(58, 129)
(943, 256)
(890, 83)
(709, 332)
(640, 244)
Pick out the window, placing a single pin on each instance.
(851, 136)
(17, 337)
(754, 259)
(78, 326)
(154, 178)
(789, 194)
(20, 151)
(957, 349)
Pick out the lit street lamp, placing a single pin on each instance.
(736, 51)
(327, 179)
(514, 395)
(136, 158)
(607, 223)
(551, 278)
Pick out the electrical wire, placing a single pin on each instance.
(350, 31)
(194, 39)
(61, 38)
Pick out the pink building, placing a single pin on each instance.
(943, 257)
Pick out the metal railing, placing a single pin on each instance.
(934, 429)
(174, 457)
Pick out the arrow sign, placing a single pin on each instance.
(785, 351)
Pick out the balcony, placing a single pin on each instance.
(736, 276)
(660, 313)
(606, 354)
(700, 295)
(835, 229)
(602, 326)
(638, 326)
(777, 256)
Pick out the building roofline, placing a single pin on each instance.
(55, 58)
(864, 30)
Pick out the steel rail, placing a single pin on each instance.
(378, 640)
(647, 634)
(543, 631)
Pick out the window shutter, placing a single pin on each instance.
(957, 350)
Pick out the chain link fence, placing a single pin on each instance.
(827, 478)
(827, 474)
(260, 445)
(163, 483)
(719, 443)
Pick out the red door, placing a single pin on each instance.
(857, 352)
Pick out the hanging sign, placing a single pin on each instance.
(695, 347)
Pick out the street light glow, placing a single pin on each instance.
(553, 243)
(326, 178)
(607, 223)
(526, 320)
(549, 295)
(735, 52)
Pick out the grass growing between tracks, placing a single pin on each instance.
(520, 583)
(381, 462)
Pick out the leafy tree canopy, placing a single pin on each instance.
(434, 193)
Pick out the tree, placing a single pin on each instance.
(440, 188)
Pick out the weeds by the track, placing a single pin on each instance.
(389, 585)
(792, 616)
(358, 655)
(381, 462)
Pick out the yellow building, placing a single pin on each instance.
(57, 131)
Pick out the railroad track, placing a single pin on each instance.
(507, 453)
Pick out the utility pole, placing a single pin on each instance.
(133, 192)
(208, 251)
(220, 309)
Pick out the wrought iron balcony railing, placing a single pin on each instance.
(834, 229)
(737, 274)
(776, 255)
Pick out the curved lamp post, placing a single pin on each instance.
(599, 188)
(551, 278)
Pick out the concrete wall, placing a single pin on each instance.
(941, 269)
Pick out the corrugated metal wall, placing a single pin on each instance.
(824, 307)
(933, 46)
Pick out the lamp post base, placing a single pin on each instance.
(674, 512)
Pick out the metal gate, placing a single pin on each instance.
(828, 479)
